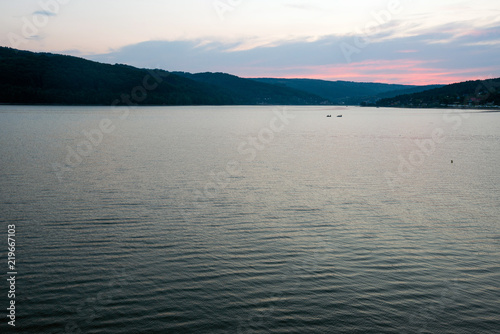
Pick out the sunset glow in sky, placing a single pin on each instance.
(393, 41)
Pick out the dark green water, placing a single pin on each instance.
(252, 220)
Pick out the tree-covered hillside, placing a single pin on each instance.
(242, 89)
(468, 94)
(43, 78)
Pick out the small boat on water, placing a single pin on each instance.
(328, 115)
(339, 116)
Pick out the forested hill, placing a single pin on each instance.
(44, 78)
(479, 93)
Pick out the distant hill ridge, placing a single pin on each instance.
(347, 92)
(239, 89)
(44, 78)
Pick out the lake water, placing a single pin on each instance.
(252, 219)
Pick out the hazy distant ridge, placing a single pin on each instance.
(347, 92)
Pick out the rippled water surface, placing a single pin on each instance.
(252, 219)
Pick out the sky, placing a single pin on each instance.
(393, 41)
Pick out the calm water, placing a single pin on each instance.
(252, 219)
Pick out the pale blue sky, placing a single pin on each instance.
(409, 41)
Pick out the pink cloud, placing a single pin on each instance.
(410, 72)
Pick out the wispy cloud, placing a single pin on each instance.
(34, 38)
(44, 13)
(407, 51)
